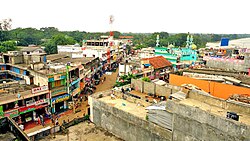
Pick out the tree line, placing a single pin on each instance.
(50, 37)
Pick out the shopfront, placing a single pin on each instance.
(41, 108)
(26, 113)
(59, 103)
(11, 113)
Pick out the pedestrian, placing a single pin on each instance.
(123, 91)
(102, 80)
(42, 120)
(57, 123)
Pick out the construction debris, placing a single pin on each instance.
(241, 97)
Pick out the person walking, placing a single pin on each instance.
(42, 120)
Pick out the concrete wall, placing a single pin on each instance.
(126, 125)
(191, 123)
(17, 59)
(149, 87)
(39, 78)
(37, 66)
(227, 65)
(237, 107)
(137, 84)
(163, 91)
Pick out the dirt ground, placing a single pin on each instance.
(84, 132)
(109, 82)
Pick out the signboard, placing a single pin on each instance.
(60, 98)
(11, 113)
(39, 89)
(27, 109)
(41, 101)
(1, 111)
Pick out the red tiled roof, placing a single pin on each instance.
(158, 62)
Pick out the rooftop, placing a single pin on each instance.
(244, 118)
(124, 105)
(9, 94)
(54, 57)
(29, 49)
(158, 62)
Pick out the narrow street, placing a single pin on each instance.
(109, 83)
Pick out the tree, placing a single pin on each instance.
(3, 49)
(146, 79)
(49, 32)
(7, 46)
(5, 25)
(61, 39)
(27, 36)
(50, 47)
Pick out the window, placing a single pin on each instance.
(57, 83)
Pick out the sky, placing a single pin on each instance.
(137, 16)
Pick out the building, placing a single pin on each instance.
(146, 52)
(185, 114)
(34, 84)
(155, 67)
(179, 56)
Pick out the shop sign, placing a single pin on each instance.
(60, 98)
(41, 101)
(27, 109)
(11, 113)
(39, 89)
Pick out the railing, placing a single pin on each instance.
(17, 131)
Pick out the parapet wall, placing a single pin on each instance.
(126, 125)
(234, 106)
(192, 123)
(235, 66)
(149, 87)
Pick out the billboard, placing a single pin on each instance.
(224, 42)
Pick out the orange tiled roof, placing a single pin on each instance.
(158, 62)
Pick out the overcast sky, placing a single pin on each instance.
(173, 16)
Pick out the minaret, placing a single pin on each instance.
(157, 41)
(189, 41)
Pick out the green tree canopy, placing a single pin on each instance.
(7, 46)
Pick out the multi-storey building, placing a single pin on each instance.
(33, 84)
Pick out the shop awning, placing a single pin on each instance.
(146, 65)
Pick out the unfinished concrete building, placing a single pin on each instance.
(187, 114)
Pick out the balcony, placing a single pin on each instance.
(58, 91)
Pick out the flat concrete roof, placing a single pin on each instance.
(214, 110)
(129, 107)
(24, 90)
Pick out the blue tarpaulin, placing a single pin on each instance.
(146, 65)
